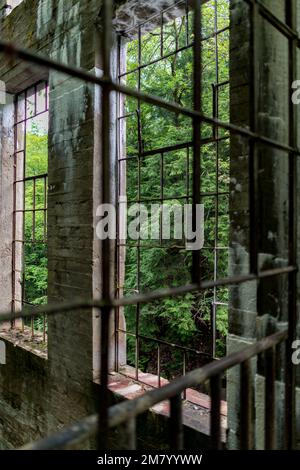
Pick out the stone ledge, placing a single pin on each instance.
(24, 340)
(196, 407)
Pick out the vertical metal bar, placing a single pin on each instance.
(176, 428)
(35, 100)
(187, 37)
(214, 107)
(46, 96)
(23, 207)
(45, 208)
(106, 45)
(33, 207)
(16, 110)
(215, 412)
(44, 328)
(128, 438)
(197, 92)
(140, 151)
(119, 176)
(161, 198)
(213, 329)
(162, 34)
(270, 376)
(184, 371)
(246, 423)
(290, 392)
(32, 326)
(253, 184)
(216, 135)
(158, 366)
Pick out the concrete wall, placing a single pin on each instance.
(39, 396)
(6, 197)
(258, 308)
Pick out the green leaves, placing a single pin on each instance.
(184, 320)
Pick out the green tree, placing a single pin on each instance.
(185, 320)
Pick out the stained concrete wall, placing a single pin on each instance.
(258, 308)
(6, 197)
(39, 396)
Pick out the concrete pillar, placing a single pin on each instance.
(258, 309)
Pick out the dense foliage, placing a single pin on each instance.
(35, 251)
(186, 320)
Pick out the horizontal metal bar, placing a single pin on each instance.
(155, 61)
(30, 178)
(31, 117)
(23, 54)
(163, 247)
(176, 197)
(166, 343)
(53, 309)
(220, 84)
(129, 409)
(31, 242)
(172, 148)
(22, 211)
(69, 436)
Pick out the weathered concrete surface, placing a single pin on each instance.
(258, 309)
(6, 198)
(39, 396)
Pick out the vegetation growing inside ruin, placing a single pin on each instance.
(185, 320)
(35, 250)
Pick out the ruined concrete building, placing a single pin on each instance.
(186, 113)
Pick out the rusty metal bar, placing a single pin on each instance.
(160, 341)
(246, 417)
(213, 328)
(184, 371)
(175, 424)
(121, 412)
(23, 54)
(158, 366)
(290, 379)
(52, 309)
(106, 245)
(270, 398)
(197, 100)
(215, 412)
(128, 437)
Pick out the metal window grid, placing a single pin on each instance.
(128, 411)
(31, 104)
(157, 25)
